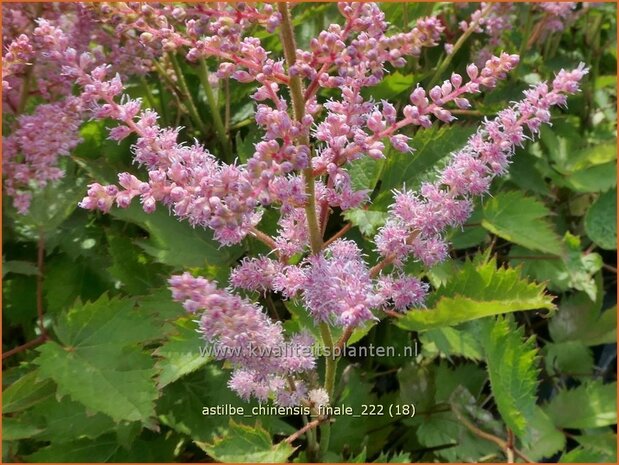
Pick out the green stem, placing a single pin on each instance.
(330, 359)
(298, 106)
(330, 370)
(527, 31)
(164, 104)
(325, 436)
(212, 103)
(447, 61)
(150, 98)
(25, 90)
(191, 106)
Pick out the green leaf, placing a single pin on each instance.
(14, 429)
(571, 357)
(180, 353)
(575, 269)
(593, 155)
(19, 267)
(83, 450)
(392, 85)
(52, 205)
(417, 385)
(542, 439)
(131, 266)
(99, 362)
(477, 291)
(66, 421)
(453, 342)
(175, 242)
(511, 363)
(367, 221)
(350, 434)
(117, 383)
(364, 173)
(586, 455)
(599, 178)
(430, 146)
(601, 221)
(449, 438)
(521, 220)
(246, 444)
(580, 319)
(604, 443)
(590, 405)
(27, 391)
(467, 375)
(524, 172)
(471, 233)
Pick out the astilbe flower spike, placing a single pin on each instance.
(244, 335)
(418, 219)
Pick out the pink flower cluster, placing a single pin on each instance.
(418, 219)
(242, 334)
(335, 286)
(30, 154)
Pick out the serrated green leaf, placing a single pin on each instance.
(430, 146)
(19, 267)
(398, 457)
(521, 220)
(27, 391)
(180, 406)
(83, 450)
(176, 243)
(468, 375)
(585, 455)
(601, 221)
(246, 444)
(122, 389)
(66, 421)
(14, 429)
(453, 342)
(106, 324)
(392, 85)
(180, 353)
(599, 178)
(542, 439)
(368, 221)
(134, 270)
(477, 291)
(590, 405)
(471, 233)
(573, 358)
(417, 385)
(511, 362)
(604, 442)
(575, 269)
(450, 439)
(364, 173)
(98, 360)
(580, 319)
(52, 205)
(350, 434)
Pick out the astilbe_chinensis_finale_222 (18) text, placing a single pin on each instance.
(299, 168)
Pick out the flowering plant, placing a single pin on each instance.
(299, 196)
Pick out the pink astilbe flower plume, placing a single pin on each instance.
(243, 334)
(417, 219)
